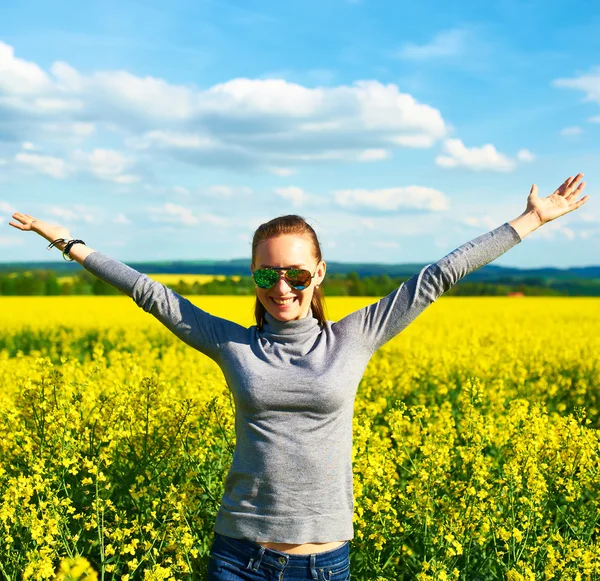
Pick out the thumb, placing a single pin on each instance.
(534, 191)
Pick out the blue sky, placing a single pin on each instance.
(171, 130)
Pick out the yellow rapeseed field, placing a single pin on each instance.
(476, 448)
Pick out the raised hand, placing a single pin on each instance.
(562, 201)
(50, 232)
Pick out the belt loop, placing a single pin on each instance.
(313, 569)
(259, 558)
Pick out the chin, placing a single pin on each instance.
(286, 316)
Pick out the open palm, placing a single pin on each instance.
(561, 201)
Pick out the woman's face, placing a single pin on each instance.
(282, 301)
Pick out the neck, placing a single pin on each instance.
(307, 323)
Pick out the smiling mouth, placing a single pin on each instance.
(283, 303)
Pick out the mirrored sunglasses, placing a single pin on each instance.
(295, 277)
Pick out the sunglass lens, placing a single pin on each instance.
(265, 277)
(299, 279)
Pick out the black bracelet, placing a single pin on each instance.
(68, 246)
(52, 244)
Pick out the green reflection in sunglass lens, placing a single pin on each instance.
(266, 277)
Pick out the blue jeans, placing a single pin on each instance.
(242, 560)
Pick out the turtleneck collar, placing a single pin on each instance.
(277, 327)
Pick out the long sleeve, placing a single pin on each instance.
(376, 324)
(199, 329)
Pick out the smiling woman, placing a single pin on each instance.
(287, 507)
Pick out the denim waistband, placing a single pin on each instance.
(255, 554)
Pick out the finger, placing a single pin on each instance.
(563, 186)
(572, 184)
(18, 226)
(534, 191)
(572, 195)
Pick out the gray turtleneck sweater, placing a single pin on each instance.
(294, 385)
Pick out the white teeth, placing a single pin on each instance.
(286, 302)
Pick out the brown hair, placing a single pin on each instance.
(290, 224)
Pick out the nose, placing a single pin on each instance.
(282, 285)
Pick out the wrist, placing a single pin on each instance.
(526, 223)
(59, 243)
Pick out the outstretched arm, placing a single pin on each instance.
(376, 324)
(196, 327)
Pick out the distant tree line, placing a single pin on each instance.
(45, 282)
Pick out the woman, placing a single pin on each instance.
(287, 507)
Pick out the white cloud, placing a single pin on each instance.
(282, 171)
(571, 131)
(373, 154)
(595, 119)
(409, 197)
(588, 84)
(449, 43)
(294, 194)
(2, 161)
(551, 230)
(46, 164)
(19, 77)
(266, 123)
(106, 164)
(525, 156)
(120, 218)
(28, 146)
(74, 131)
(416, 141)
(473, 158)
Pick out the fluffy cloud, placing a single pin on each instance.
(595, 119)
(410, 197)
(373, 154)
(107, 165)
(104, 164)
(525, 156)
(45, 164)
(294, 194)
(588, 84)
(482, 158)
(19, 77)
(242, 122)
